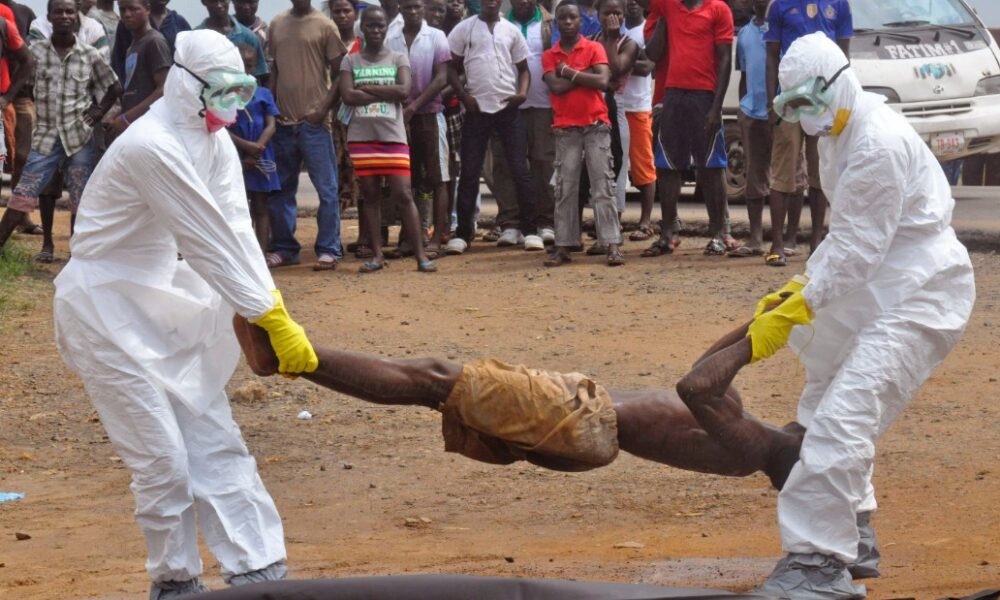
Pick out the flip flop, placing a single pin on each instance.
(276, 261)
(372, 266)
(616, 259)
(597, 249)
(426, 266)
(775, 260)
(557, 259)
(325, 262)
(745, 252)
(642, 234)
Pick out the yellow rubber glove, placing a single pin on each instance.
(295, 353)
(769, 332)
(794, 285)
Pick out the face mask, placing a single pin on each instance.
(821, 125)
(219, 119)
(811, 98)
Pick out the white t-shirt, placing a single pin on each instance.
(489, 59)
(538, 93)
(638, 93)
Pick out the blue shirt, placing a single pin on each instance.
(240, 34)
(751, 58)
(788, 20)
(249, 125)
(590, 25)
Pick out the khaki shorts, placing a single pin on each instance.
(786, 159)
(757, 153)
(498, 413)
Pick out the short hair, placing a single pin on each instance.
(372, 10)
(48, 7)
(142, 2)
(572, 3)
(246, 50)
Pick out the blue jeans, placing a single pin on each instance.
(41, 168)
(293, 145)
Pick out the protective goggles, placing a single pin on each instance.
(225, 90)
(811, 97)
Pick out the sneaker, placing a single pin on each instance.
(510, 237)
(548, 235)
(533, 243)
(866, 565)
(455, 246)
(811, 577)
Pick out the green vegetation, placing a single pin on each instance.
(15, 261)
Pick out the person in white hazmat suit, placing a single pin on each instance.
(151, 335)
(885, 297)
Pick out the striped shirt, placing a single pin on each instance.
(65, 87)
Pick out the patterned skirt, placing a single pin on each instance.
(379, 158)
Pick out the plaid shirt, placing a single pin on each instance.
(64, 89)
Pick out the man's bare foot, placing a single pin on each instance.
(256, 347)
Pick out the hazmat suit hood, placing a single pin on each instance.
(201, 51)
(816, 55)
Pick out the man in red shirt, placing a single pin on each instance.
(576, 71)
(699, 42)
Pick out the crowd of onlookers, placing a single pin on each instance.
(400, 107)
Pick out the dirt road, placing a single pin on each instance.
(346, 481)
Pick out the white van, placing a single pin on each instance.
(934, 60)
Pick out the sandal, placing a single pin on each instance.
(426, 266)
(557, 259)
(616, 258)
(715, 247)
(658, 248)
(730, 243)
(433, 252)
(45, 256)
(775, 260)
(364, 251)
(492, 235)
(325, 262)
(33, 229)
(275, 261)
(372, 266)
(642, 234)
(744, 252)
(597, 249)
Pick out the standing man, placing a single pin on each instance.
(152, 339)
(700, 39)
(219, 20)
(423, 111)
(103, 11)
(143, 70)
(638, 101)
(167, 22)
(577, 74)
(535, 24)
(69, 76)
(90, 32)
(787, 21)
(493, 56)
(306, 51)
(19, 18)
(246, 13)
(886, 297)
(751, 60)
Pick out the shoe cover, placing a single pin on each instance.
(866, 565)
(811, 577)
(168, 590)
(272, 572)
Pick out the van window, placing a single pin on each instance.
(883, 14)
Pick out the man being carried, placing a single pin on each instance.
(499, 413)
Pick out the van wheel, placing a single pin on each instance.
(736, 174)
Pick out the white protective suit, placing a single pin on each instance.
(151, 336)
(892, 289)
